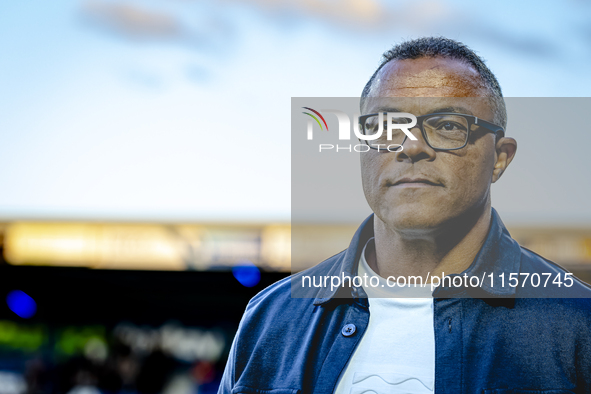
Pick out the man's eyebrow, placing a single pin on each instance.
(457, 110)
(388, 109)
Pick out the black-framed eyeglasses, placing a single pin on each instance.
(441, 131)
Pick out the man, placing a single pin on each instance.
(432, 216)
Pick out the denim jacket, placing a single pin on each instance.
(489, 339)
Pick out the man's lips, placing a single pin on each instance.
(414, 182)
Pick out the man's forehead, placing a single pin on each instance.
(426, 105)
(428, 77)
(427, 85)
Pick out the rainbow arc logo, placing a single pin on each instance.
(315, 118)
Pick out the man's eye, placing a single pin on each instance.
(447, 127)
(450, 126)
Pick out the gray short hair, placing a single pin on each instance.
(447, 48)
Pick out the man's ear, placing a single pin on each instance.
(505, 148)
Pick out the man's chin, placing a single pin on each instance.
(409, 219)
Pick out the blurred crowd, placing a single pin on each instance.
(110, 368)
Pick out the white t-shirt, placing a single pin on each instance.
(397, 351)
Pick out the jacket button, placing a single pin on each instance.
(348, 330)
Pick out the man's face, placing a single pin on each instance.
(421, 188)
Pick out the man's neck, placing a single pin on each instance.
(449, 249)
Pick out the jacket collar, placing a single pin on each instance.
(499, 254)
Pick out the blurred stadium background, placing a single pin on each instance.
(145, 167)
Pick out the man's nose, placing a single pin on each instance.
(415, 150)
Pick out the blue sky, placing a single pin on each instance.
(179, 110)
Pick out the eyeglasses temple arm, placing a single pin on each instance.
(490, 126)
